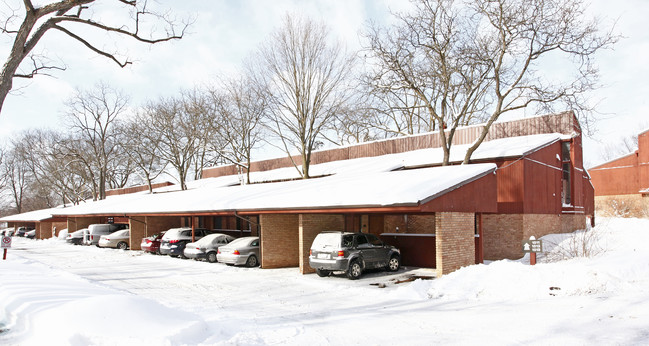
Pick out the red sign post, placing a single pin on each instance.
(6, 243)
(532, 246)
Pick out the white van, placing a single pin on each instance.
(95, 231)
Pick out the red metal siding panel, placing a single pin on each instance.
(543, 181)
(476, 196)
(510, 186)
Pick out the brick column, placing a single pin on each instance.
(455, 241)
(137, 226)
(279, 240)
(310, 226)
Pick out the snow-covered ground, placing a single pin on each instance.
(52, 293)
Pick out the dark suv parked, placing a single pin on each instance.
(351, 253)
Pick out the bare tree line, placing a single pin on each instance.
(443, 65)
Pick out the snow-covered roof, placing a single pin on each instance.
(33, 216)
(378, 181)
(380, 189)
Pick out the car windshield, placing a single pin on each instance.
(325, 240)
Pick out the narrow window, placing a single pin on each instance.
(566, 169)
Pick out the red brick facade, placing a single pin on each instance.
(310, 226)
(455, 241)
(503, 233)
(279, 240)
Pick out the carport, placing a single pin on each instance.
(44, 222)
(441, 206)
(445, 201)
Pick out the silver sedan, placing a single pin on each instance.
(240, 251)
(119, 239)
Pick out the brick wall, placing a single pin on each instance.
(502, 236)
(279, 240)
(419, 224)
(309, 226)
(59, 226)
(455, 241)
(157, 224)
(137, 226)
(43, 230)
(503, 233)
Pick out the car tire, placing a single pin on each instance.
(394, 263)
(252, 261)
(323, 272)
(355, 270)
(174, 256)
(122, 245)
(211, 257)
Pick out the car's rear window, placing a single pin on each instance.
(325, 240)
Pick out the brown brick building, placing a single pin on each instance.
(526, 179)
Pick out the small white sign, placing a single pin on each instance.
(6, 242)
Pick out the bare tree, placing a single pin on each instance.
(143, 150)
(77, 20)
(307, 81)
(517, 37)
(468, 62)
(239, 109)
(53, 168)
(181, 128)
(93, 117)
(423, 71)
(17, 176)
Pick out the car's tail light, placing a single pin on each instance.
(236, 252)
(218, 251)
(341, 253)
(198, 248)
(173, 241)
(107, 239)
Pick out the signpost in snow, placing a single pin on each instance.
(6, 243)
(532, 246)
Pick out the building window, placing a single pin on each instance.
(566, 169)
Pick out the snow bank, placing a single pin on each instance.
(623, 265)
(45, 307)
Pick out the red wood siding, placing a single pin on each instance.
(564, 123)
(617, 177)
(542, 181)
(477, 196)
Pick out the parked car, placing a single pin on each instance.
(351, 253)
(240, 251)
(206, 248)
(173, 242)
(95, 231)
(119, 239)
(152, 243)
(7, 232)
(30, 234)
(76, 237)
(22, 230)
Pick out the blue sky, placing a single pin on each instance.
(227, 31)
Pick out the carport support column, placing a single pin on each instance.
(137, 224)
(455, 241)
(310, 226)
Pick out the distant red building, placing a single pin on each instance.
(622, 185)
